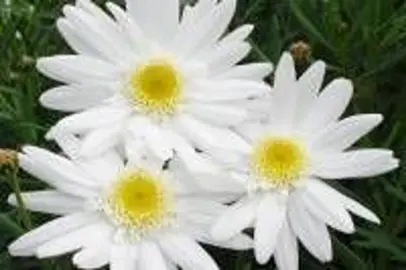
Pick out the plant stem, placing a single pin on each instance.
(23, 213)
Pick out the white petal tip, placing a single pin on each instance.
(67, 9)
(346, 84)
(41, 64)
(320, 63)
(43, 100)
(396, 163)
(379, 118)
(261, 257)
(268, 67)
(250, 27)
(286, 57)
(50, 135)
(375, 219)
(15, 250)
(40, 254)
(11, 200)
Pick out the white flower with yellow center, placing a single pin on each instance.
(301, 142)
(160, 75)
(133, 216)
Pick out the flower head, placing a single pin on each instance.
(118, 213)
(300, 143)
(164, 77)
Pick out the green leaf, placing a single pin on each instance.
(397, 192)
(9, 90)
(308, 25)
(347, 256)
(388, 63)
(9, 226)
(5, 263)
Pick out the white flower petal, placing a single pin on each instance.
(285, 94)
(96, 34)
(100, 140)
(308, 87)
(137, 39)
(270, 218)
(199, 232)
(347, 202)
(192, 160)
(26, 244)
(206, 136)
(207, 30)
(76, 97)
(186, 205)
(359, 210)
(161, 23)
(226, 56)
(285, 74)
(254, 71)
(74, 40)
(221, 114)
(354, 164)
(53, 178)
(286, 252)
(238, 242)
(228, 90)
(135, 150)
(68, 142)
(221, 185)
(150, 257)
(329, 105)
(187, 253)
(105, 21)
(70, 241)
(103, 168)
(155, 137)
(325, 207)
(76, 69)
(171, 266)
(345, 133)
(63, 167)
(312, 233)
(238, 217)
(239, 34)
(57, 172)
(193, 14)
(93, 118)
(52, 202)
(92, 257)
(312, 79)
(124, 257)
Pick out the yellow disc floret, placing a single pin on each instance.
(138, 201)
(156, 87)
(279, 161)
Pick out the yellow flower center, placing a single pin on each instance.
(156, 87)
(138, 201)
(279, 161)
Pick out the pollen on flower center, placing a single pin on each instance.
(156, 87)
(279, 161)
(138, 201)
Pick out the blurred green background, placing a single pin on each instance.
(364, 40)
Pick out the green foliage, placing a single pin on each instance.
(364, 40)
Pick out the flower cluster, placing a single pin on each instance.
(171, 143)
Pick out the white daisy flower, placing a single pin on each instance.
(131, 216)
(300, 143)
(156, 74)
